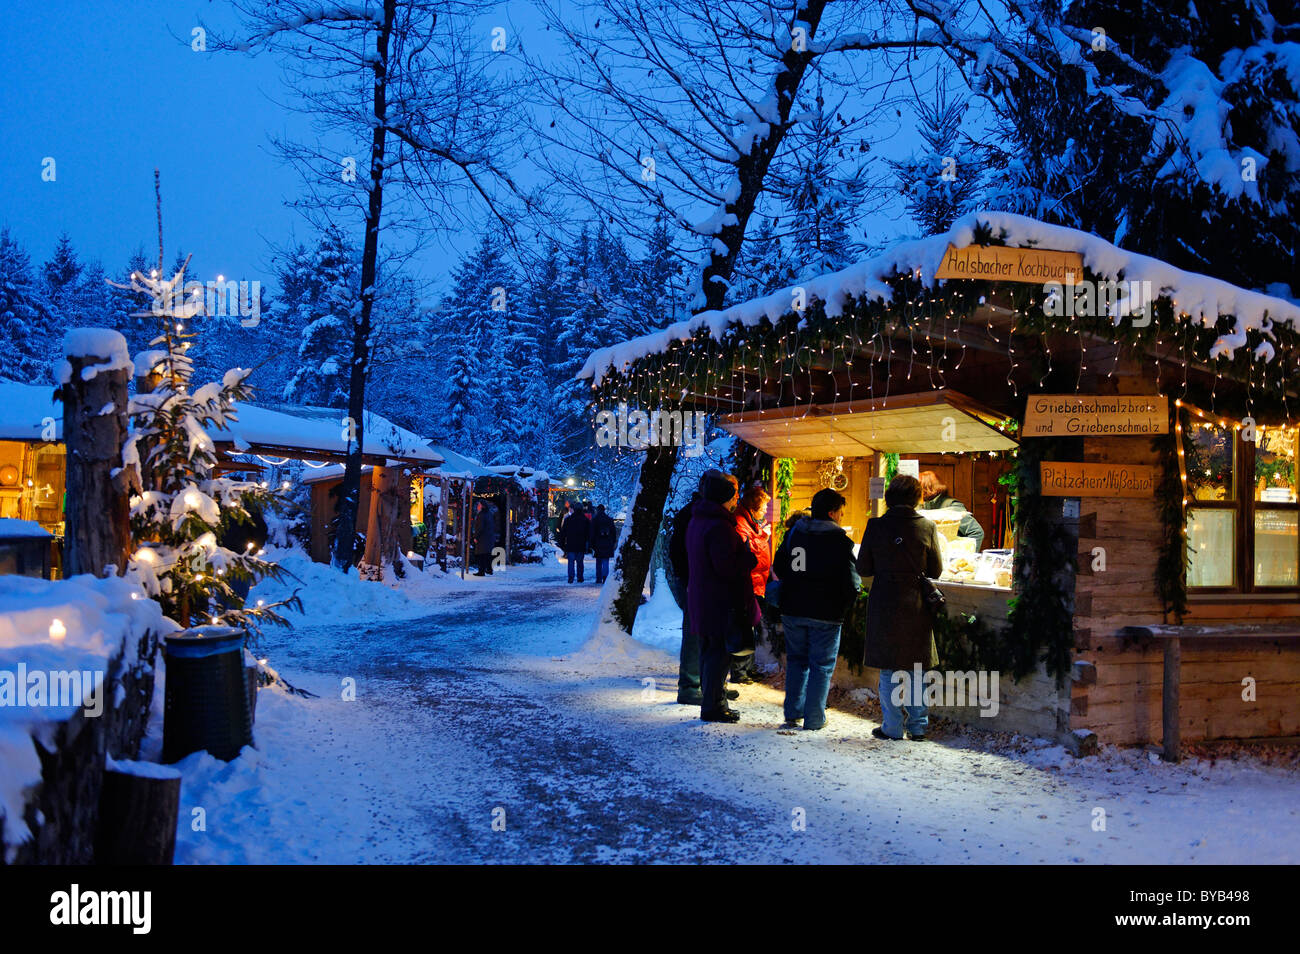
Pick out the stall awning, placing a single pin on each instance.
(936, 422)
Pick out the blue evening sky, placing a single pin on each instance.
(110, 90)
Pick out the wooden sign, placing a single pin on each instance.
(1084, 415)
(1072, 479)
(998, 263)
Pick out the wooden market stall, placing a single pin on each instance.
(32, 459)
(32, 456)
(395, 461)
(1124, 427)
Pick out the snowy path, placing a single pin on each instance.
(488, 703)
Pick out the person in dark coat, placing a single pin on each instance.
(934, 493)
(818, 585)
(604, 536)
(895, 550)
(575, 536)
(719, 592)
(484, 532)
(688, 668)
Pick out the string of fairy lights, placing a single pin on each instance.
(784, 361)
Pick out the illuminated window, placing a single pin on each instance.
(1243, 533)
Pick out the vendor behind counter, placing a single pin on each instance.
(935, 497)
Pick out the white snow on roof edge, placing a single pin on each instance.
(1200, 296)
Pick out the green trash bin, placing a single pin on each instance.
(206, 703)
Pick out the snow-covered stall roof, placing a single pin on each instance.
(24, 409)
(522, 471)
(329, 472)
(11, 529)
(280, 430)
(456, 464)
(1200, 296)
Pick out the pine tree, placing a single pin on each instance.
(477, 317)
(60, 278)
(1202, 175)
(822, 199)
(327, 282)
(182, 508)
(26, 333)
(940, 182)
(658, 292)
(766, 266)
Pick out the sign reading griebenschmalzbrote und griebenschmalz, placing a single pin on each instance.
(1096, 415)
(1000, 263)
(1077, 479)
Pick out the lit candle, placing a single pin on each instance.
(57, 630)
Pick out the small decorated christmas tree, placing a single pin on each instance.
(182, 509)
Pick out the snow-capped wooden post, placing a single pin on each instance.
(93, 382)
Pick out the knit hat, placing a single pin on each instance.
(717, 487)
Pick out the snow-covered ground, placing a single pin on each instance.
(485, 728)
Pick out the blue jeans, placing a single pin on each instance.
(895, 718)
(602, 569)
(576, 561)
(811, 646)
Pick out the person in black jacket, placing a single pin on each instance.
(688, 667)
(575, 535)
(604, 536)
(896, 550)
(818, 585)
(484, 532)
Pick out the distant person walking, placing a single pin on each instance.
(719, 592)
(604, 536)
(484, 532)
(818, 585)
(575, 536)
(897, 549)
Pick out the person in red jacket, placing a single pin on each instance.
(719, 593)
(754, 528)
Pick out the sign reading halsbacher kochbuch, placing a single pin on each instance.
(1076, 479)
(1000, 263)
(1095, 415)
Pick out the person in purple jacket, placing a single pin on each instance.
(719, 592)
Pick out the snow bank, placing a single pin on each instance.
(1199, 296)
(329, 596)
(76, 625)
(659, 621)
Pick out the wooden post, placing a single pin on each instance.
(505, 522)
(467, 498)
(97, 535)
(1169, 706)
(381, 522)
(444, 500)
(137, 817)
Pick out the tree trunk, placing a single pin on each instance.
(361, 329)
(751, 172)
(137, 818)
(638, 547)
(97, 532)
